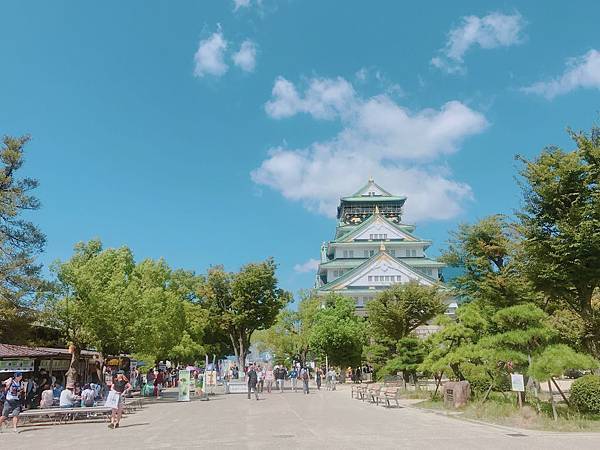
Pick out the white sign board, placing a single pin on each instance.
(517, 381)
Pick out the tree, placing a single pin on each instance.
(560, 222)
(447, 346)
(89, 304)
(338, 332)
(20, 242)
(555, 360)
(159, 321)
(410, 353)
(487, 252)
(244, 302)
(289, 337)
(399, 310)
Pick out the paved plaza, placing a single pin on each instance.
(291, 420)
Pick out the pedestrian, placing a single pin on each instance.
(294, 378)
(108, 378)
(252, 381)
(280, 377)
(158, 383)
(318, 375)
(120, 387)
(12, 402)
(305, 377)
(261, 379)
(358, 375)
(269, 377)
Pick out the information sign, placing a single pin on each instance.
(517, 381)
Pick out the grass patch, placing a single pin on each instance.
(503, 410)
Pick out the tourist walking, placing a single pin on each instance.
(269, 377)
(305, 377)
(12, 402)
(294, 378)
(252, 381)
(318, 376)
(261, 379)
(280, 375)
(119, 388)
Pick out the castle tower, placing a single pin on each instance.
(372, 248)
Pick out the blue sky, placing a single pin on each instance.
(222, 132)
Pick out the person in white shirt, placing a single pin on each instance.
(67, 398)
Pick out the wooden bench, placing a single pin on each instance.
(387, 395)
(360, 392)
(373, 392)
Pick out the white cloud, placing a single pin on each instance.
(245, 58)
(581, 72)
(378, 137)
(237, 4)
(209, 58)
(309, 266)
(323, 99)
(490, 31)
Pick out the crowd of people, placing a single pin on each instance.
(267, 378)
(18, 394)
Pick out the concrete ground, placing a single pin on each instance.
(292, 420)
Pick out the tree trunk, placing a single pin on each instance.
(552, 401)
(72, 373)
(560, 390)
(438, 382)
(242, 353)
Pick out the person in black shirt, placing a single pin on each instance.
(121, 386)
(252, 381)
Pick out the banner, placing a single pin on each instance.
(13, 365)
(184, 386)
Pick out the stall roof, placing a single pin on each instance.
(21, 351)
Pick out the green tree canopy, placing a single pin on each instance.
(20, 242)
(244, 302)
(338, 332)
(289, 338)
(560, 221)
(396, 312)
(486, 251)
(555, 360)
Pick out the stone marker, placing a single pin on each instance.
(456, 393)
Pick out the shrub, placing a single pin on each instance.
(585, 394)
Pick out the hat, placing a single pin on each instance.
(18, 374)
(120, 372)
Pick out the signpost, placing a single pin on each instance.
(518, 385)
